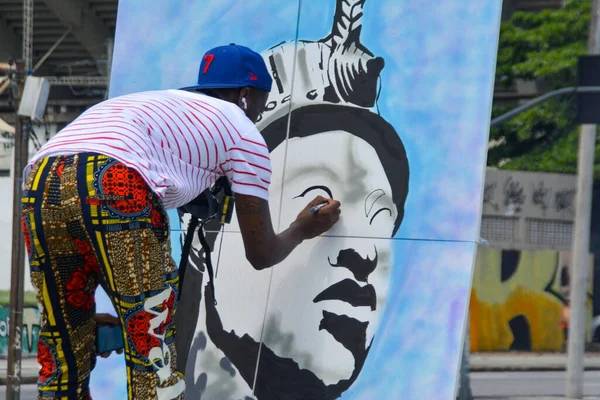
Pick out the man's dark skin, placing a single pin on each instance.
(263, 247)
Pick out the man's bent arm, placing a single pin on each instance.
(263, 247)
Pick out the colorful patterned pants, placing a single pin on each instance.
(89, 220)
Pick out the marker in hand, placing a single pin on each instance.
(316, 208)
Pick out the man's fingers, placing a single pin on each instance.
(318, 200)
(105, 354)
(120, 351)
(332, 207)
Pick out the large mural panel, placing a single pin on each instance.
(383, 105)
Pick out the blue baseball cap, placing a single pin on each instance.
(232, 66)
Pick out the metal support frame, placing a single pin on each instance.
(110, 44)
(464, 387)
(28, 34)
(97, 81)
(51, 49)
(17, 274)
(538, 100)
(88, 29)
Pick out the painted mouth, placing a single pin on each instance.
(350, 292)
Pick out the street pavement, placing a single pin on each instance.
(29, 371)
(28, 392)
(522, 385)
(536, 385)
(515, 376)
(521, 361)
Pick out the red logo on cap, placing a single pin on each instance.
(208, 60)
(253, 77)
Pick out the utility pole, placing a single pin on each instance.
(17, 274)
(581, 242)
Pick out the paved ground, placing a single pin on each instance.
(525, 384)
(28, 392)
(485, 385)
(495, 376)
(513, 361)
(29, 370)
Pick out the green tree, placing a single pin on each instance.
(542, 46)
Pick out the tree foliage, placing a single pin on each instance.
(543, 47)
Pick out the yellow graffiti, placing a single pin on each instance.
(533, 291)
(489, 323)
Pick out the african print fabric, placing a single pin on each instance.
(89, 220)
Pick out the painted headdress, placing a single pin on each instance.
(337, 69)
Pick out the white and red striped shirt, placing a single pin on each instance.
(180, 142)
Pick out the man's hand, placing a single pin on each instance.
(263, 247)
(313, 224)
(107, 319)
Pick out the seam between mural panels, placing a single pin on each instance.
(287, 135)
(395, 239)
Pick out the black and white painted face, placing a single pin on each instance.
(325, 301)
(345, 274)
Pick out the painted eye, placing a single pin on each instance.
(318, 187)
(377, 213)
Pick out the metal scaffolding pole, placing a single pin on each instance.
(51, 49)
(100, 81)
(464, 387)
(110, 44)
(538, 100)
(17, 274)
(28, 34)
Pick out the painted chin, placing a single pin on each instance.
(327, 314)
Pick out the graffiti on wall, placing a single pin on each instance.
(517, 300)
(31, 329)
(536, 195)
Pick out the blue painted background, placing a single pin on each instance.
(436, 92)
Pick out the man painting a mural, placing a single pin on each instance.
(358, 89)
(94, 213)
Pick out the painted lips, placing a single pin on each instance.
(350, 292)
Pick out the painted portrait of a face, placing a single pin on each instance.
(325, 301)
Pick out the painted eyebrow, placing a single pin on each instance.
(376, 194)
(317, 187)
(380, 210)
